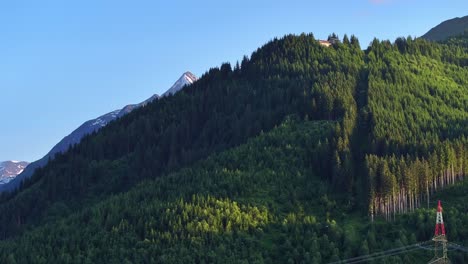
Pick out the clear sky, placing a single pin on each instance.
(65, 62)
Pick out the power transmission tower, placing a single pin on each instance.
(440, 239)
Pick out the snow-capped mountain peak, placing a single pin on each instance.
(9, 169)
(186, 79)
(75, 137)
(190, 77)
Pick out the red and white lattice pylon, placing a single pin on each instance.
(439, 228)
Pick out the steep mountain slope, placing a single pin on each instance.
(9, 169)
(459, 41)
(248, 182)
(186, 79)
(91, 126)
(222, 109)
(264, 201)
(419, 111)
(448, 28)
(340, 135)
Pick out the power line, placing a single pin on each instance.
(439, 239)
(381, 254)
(458, 247)
(397, 251)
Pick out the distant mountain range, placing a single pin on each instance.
(9, 169)
(75, 137)
(448, 28)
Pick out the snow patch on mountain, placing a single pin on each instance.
(186, 79)
(10, 169)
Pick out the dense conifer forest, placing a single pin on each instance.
(299, 153)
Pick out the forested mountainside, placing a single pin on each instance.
(262, 202)
(460, 41)
(91, 126)
(447, 29)
(418, 104)
(222, 109)
(386, 127)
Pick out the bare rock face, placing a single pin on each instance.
(186, 79)
(10, 169)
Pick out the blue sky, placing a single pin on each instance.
(64, 62)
